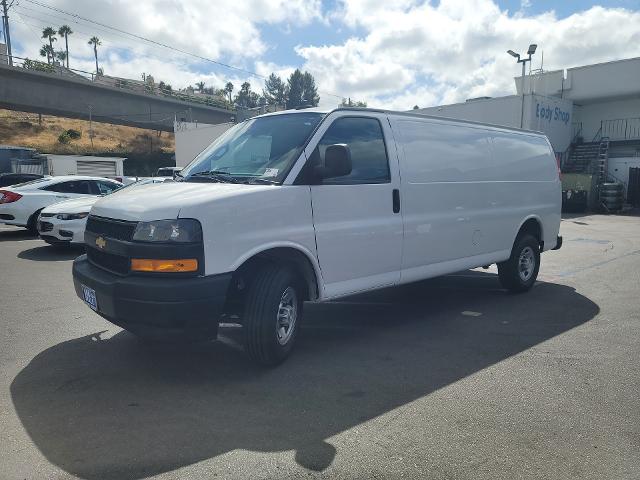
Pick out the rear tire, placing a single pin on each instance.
(519, 273)
(272, 313)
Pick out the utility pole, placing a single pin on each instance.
(5, 28)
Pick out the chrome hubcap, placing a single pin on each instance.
(526, 264)
(287, 315)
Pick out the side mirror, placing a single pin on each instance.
(337, 162)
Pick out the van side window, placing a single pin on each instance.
(368, 152)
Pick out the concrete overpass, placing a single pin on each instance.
(68, 96)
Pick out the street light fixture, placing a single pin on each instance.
(523, 61)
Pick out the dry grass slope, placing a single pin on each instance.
(23, 129)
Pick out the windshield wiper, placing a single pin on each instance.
(217, 175)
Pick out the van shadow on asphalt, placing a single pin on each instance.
(113, 409)
(52, 253)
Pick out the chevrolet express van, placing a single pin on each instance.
(313, 205)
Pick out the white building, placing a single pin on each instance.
(589, 113)
(191, 138)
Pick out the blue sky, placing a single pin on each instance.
(390, 53)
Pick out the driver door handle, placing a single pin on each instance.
(396, 200)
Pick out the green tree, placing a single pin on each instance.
(247, 98)
(49, 33)
(275, 90)
(64, 31)
(309, 91)
(294, 89)
(200, 86)
(61, 55)
(228, 88)
(47, 51)
(95, 41)
(301, 90)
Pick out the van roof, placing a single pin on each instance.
(327, 111)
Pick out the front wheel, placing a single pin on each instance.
(519, 272)
(272, 313)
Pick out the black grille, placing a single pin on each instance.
(107, 227)
(108, 261)
(46, 226)
(47, 215)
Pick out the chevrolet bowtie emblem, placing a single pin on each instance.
(101, 243)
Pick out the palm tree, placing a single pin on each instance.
(95, 41)
(65, 31)
(200, 86)
(61, 55)
(47, 51)
(49, 33)
(229, 88)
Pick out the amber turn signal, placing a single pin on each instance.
(153, 265)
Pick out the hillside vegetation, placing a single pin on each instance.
(68, 136)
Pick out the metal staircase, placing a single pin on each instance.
(589, 157)
(582, 158)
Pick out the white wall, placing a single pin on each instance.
(590, 115)
(499, 111)
(192, 138)
(550, 115)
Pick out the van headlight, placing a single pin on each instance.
(181, 230)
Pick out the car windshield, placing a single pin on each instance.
(259, 149)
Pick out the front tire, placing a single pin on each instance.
(519, 272)
(272, 313)
(32, 223)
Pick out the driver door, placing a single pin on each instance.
(356, 217)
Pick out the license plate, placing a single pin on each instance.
(89, 295)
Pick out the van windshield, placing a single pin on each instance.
(259, 150)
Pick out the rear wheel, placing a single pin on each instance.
(519, 273)
(272, 313)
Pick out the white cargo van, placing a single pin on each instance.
(316, 205)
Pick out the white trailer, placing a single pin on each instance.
(85, 165)
(57, 165)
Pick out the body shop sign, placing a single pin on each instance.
(549, 113)
(553, 116)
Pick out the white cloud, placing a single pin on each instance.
(419, 53)
(225, 30)
(401, 52)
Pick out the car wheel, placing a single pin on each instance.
(32, 223)
(272, 313)
(519, 273)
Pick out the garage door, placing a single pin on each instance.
(98, 169)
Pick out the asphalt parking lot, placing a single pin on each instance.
(447, 379)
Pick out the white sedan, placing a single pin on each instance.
(64, 223)
(21, 204)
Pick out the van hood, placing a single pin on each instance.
(77, 205)
(160, 201)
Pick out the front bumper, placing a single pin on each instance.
(56, 231)
(188, 307)
(558, 243)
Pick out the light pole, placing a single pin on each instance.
(523, 61)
